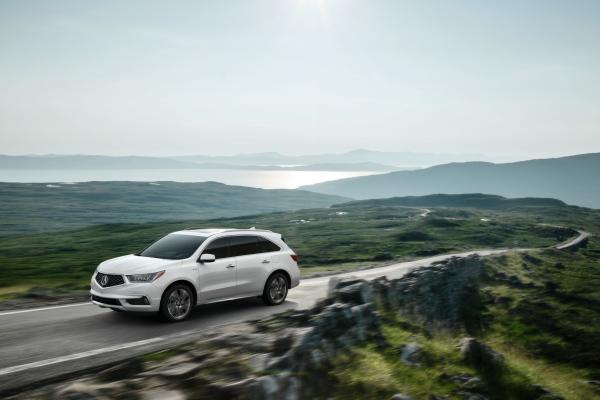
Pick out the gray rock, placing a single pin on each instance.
(340, 282)
(358, 293)
(543, 393)
(176, 370)
(412, 354)
(462, 378)
(85, 389)
(269, 385)
(401, 396)
(161, 394)
(473, 384)
(479, 355)
(550, 396)
(473, 396)
(127, 368)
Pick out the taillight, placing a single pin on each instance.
(294, 257)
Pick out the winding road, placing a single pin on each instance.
(43, 344)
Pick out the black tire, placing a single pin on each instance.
(276, 289)
(117, 309)
(176, 303)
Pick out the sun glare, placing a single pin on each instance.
(312, 11)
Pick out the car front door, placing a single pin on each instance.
(217, 279)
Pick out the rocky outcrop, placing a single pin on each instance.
(439, 296)
(479, 355)
(287, 356)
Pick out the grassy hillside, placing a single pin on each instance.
(469, 200)
(327, 239)
(573, 180)
(40, 207)
(539, 310)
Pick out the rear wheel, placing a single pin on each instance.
(276, 289)
(176, 303)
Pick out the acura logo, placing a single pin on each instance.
(104, 280)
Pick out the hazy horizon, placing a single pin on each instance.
(299, 77)
(501, 157)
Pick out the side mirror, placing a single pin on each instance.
(207, 258)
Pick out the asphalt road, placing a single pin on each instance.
(45, 343)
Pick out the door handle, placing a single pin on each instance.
(231, 266)
(265, 261)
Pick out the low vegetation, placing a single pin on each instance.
(539, 310)
(41, 207)
(327, 240)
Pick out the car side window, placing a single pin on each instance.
(267, 246)
(220, 247)
(244, 245)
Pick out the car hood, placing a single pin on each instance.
(132, 264)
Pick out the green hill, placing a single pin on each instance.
(469, 200)
(41, 207)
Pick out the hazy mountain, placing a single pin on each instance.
(573, 179)
(365, 166)
(399, 159)
(356, 160)
(29, 207)
(137, 162)
(90, 162)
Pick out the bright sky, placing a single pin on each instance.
(299, 76)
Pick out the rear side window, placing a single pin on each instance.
(244, 245)
(266, 245)
(219, 247)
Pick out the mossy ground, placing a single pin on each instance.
(545, 322)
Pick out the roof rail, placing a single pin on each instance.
(227, 229)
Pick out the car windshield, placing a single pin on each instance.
(173, 247)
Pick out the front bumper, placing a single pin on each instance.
(122, 296)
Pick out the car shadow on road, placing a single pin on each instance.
(206, 315)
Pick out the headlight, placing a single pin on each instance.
(145, 277)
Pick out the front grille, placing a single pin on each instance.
(106, 280)
(104, 300)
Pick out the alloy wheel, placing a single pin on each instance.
(278, 289)
(179, 303)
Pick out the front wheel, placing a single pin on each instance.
(276, 289)
(176, 303)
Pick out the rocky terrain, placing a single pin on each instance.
(293, 355)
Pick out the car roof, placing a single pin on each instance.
(214, 231)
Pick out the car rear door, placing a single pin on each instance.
(253, 266)
(217, 279)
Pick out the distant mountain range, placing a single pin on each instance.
(58, 162)
(90, 162)
(43, 207)
(573, 179)
(397, 159)
(357, 160)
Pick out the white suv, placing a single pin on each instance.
(197, 266)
